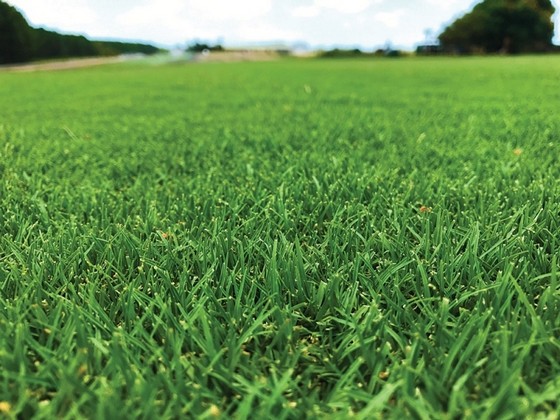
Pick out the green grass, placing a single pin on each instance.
(285, 239)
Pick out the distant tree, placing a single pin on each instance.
(341, 53)
(115, 48)
(507, 26)
(201, 46)
(16, 36)
(49, 44)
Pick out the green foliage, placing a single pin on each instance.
(198, 47)
(290, 239)
(357, 53)
(116, 47)
(341, 53)
(15, 35)
(510, 26)
(49, 44)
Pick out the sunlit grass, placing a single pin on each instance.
(286, 239)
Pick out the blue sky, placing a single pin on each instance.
(320, 23)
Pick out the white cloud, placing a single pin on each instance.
(153, 13)
(448, 4)
(389, 19)
(306, 11)
(163, 21)
(75, 16)
(173, 21)
(346, 6)
(262, 32)
(230, 10)
(349, 7)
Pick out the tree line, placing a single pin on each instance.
(20, 42)
(502, 26)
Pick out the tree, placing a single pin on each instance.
(507, 26)
(202, 46)
(16, 36)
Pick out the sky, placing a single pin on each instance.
(367, 24)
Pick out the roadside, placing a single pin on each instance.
(73, 63)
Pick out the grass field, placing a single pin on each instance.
(281, 240)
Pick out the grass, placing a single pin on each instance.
(285, 239)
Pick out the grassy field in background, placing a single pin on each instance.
(284, 239)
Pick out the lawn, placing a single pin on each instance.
(289, 239)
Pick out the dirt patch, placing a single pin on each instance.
(62, 65)
(227, 56)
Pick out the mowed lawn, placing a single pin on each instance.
(289, 239)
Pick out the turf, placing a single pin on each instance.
(290, 239)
